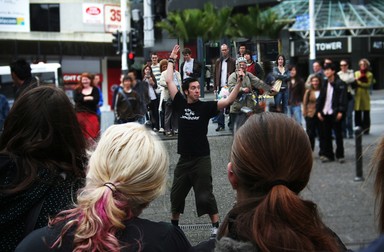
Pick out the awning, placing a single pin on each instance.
(334, 18)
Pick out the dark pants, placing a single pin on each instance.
(221, 119)
(312, 124)
(348, 121)
(365, 124)
(193, 172)
(154, 113)
(327, 126)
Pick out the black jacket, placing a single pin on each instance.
(339, 98)
(196, 71)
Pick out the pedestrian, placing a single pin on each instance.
(86, 97)
(296, 87)
(247, 96)
(141, 89)
(96, 83)
(120, 183)
(309, 110)
(22, 77)
(193, 169)
(281, 72)
(4, 110)
(377, 170)
(127, 103)
(270, 164)
(150, 79)
(317, 70)
(42, 159)
(163, 66)
(362, 107)
(171, 126)
(241, 52)
(330, 108)
(224, 66)
(252, 66)
(347, 75)
(190, 68)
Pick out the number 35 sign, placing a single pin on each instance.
(112, 17)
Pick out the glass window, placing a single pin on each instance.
(45, 17)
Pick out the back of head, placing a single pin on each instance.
(133, 159)
(272, 159)
(268, 147)
(127, 171)
(21, 68)
(42, 128)
(377, 164)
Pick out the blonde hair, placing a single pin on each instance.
(127, 171)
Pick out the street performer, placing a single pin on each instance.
(193, 169)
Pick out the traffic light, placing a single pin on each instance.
(133, 39)
(116, 41)
(131, 58)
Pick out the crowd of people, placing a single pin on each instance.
(65, 187)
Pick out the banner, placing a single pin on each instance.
(14, 15)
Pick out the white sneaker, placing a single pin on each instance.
(213, 233)
(161, 130)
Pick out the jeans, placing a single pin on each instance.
(281, 100)
(295, 112)
(348, 122)
(221, 119)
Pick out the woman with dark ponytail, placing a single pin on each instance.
(270, 164)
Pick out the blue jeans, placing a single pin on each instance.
(281, 100)
(348, 120)
(221, 119)
(295, 112)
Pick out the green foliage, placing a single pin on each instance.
(212, 24)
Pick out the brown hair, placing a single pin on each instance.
(377, 165)
(162, 63)
(80, 86)
(271, 147)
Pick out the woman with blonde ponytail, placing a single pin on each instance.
(127, 170)
(270, 164)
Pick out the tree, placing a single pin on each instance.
(256, 24)
(209, 23)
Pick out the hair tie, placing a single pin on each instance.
(278, 182)
(111, 187)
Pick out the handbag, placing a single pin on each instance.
(276, 86)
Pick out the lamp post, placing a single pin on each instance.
(312, 42)
(125, 24)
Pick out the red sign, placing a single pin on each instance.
(93, 10)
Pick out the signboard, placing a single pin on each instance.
(93, 13)
(14, 15)
(112, 18)
(322, 46)
(376, 45)
(74, 78)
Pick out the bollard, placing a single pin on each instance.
(359, 154)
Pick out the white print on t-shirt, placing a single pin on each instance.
(189, 115)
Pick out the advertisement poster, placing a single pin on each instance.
(14, 15)
(93, 13)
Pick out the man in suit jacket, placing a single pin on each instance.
(224, 66)
(190, 68)
(331, 107)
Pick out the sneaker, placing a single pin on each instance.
(219, 128)
(176, 132)
(341, 160)
(161, 130)
(325, 160)
(168, 133)
(322, 158)
(155, 129)
(213, 233)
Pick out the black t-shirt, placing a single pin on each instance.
(193, 125)
(153, 237)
